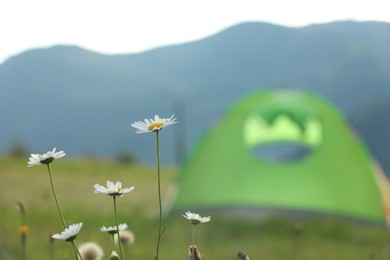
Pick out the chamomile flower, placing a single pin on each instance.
(196, 218)
(153, 125)
(46, 158)
(112, 189)
(113, 230)
(70, 233)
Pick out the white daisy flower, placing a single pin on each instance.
(113, 230)
(112, 189)
(46, 158)
(195, 218)
(153, 125)
(70, 233)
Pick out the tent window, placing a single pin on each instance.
(282, 140)
(282, 151)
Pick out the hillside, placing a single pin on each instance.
(84, 102)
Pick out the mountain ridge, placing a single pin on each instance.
(89, 99)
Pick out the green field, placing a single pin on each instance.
(219, 239)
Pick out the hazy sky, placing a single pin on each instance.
(126, 26)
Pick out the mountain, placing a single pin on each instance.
(374, 128)
(83, 102)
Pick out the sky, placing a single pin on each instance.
(130, 26)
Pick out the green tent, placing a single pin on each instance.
(283, 150)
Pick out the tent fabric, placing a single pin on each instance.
(338, 176)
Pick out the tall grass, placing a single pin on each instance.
(222, 238)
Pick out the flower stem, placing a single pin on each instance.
(76, 251)
(23, 238)
(23, 230)
(113, 242)
(159, 194)
(55, 196)
(117, 227)
(193, 242)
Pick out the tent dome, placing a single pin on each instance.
(282, 150)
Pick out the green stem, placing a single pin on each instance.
(23, 237)
(23, 246)
(55, 196)
(159, 194)
(193, 242)
(76, 251)
(117, 228)
(113, 242)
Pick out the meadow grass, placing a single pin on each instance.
(221, 238)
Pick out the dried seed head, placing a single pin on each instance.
(242, 256)
(193, 255)
(126, 237)
(91, 251)
(21, 206)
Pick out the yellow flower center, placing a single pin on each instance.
(23, 230)
(157, 124)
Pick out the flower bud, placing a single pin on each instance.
(114, 256)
